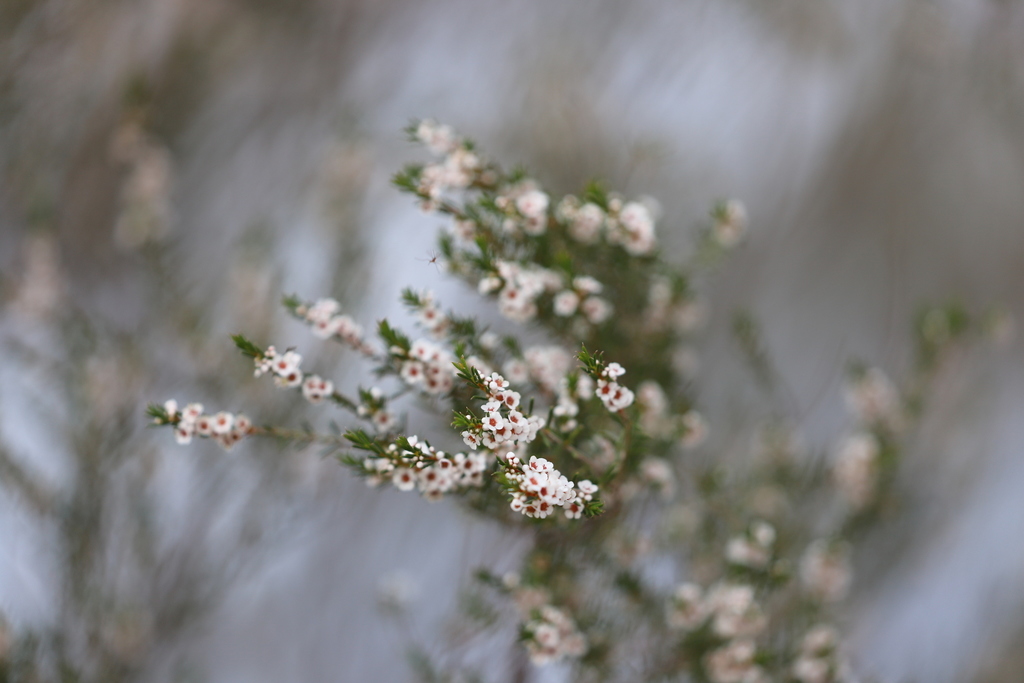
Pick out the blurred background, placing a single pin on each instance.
(171, 167)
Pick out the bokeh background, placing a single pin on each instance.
(171, 167)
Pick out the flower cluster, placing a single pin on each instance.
(456, 171)
(551, 635)
(429, 313)
(537, 488)
(818, 660)
(628, 224)
(503, 423)
(288, 375)
(525, 208)
(413, 464)
(224, 428)
(518, 288)
(733, 615)
(614, 396)
(585, 270)
(426, 366)
(283, 366)
(581, 296)
(327, 321)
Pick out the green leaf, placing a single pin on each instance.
(247, 347)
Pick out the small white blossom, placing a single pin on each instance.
(614, 396)
(532, 204)
(553, 636)
(637, 229)
(439, 138)
(222, 422)
(315, 389)
(565, 303)
(596, 309)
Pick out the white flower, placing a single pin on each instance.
(243, 425)
(493, 422)
(554, 635)
(532, 204)
(586, 284)
(566, 303)
(596, 309)
(516, 371)
(286, 363)
(171, 408)
(412, 372)
(404, 479)
(472, 440)
(315, 389)
(222, 423)
(614, 396)
(585, 226)
(191, 413)
(489, 284)
(326, 328)
(204, 425)
(496, 383)
(183, 434)
(635, 219)
(440, 139)
(489, 341)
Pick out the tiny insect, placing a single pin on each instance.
(434, 260)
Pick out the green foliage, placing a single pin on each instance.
(392, 337)
(247, 347)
